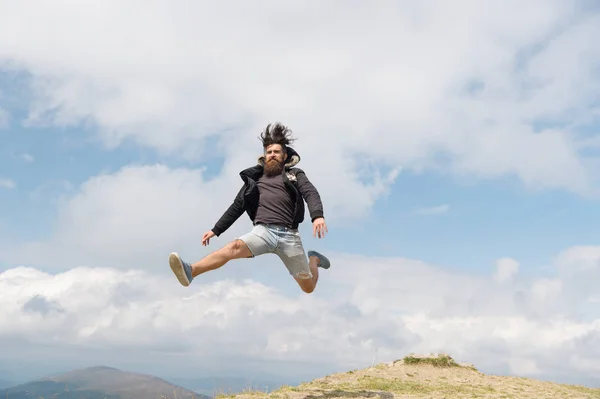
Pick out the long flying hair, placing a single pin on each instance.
(276, 134)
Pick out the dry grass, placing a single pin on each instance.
(432, 377)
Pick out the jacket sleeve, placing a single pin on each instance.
(310, 195)
(235, 210)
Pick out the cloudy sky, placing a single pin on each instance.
(456, 149)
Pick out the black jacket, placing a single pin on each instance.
(294, 179)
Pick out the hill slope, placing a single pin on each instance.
(424, 377)
(99, 383)
(211, 385)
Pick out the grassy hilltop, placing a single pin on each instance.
(432, 377)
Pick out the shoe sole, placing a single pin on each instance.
(177, 268)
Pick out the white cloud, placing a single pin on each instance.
(7, 183)
(349, 319)
(506, 269)
(433, 210)
(545, 288)
(579, 269)
(464, 88)
(27, 157)
(584, 257)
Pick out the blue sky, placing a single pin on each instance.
(454, 216)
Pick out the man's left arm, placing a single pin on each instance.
(310, 195)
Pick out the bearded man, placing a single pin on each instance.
(273, 196)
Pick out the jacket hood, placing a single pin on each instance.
(292, 159)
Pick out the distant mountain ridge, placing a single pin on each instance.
(100, 382)
(5, 383)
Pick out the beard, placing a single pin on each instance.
(273, 168)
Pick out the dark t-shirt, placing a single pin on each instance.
(275, 205)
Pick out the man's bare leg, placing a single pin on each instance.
(236, 249)
(185, 272)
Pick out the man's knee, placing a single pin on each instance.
(308, 289)
(237, 249)
(305, 281)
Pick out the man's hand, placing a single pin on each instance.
(319, 228)
(206, 237)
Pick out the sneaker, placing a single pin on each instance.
(323, 261)
(182, 270)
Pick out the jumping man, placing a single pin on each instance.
(273, 196)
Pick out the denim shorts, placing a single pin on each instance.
(283, 242)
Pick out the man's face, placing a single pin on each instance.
(274, 151)
(274, 157)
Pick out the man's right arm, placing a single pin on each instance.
(235, 210)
